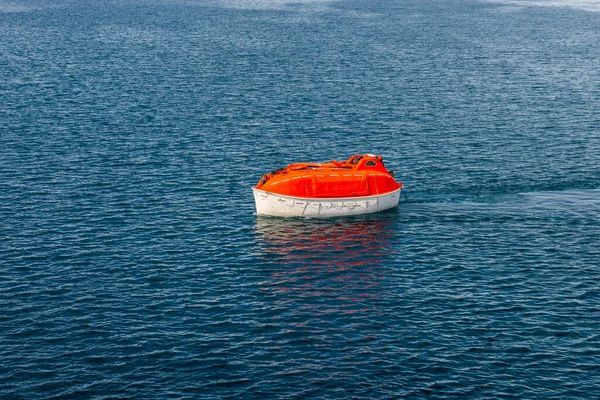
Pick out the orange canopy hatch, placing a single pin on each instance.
(360, 175)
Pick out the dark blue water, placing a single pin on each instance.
(132, 264)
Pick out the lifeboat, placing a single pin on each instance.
(360, 185)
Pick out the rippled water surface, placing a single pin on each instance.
(132, 264)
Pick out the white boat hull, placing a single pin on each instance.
(287, 206)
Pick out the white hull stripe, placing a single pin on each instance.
(288, 206)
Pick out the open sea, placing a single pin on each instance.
(133, 264)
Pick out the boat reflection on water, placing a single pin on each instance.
(319, 257)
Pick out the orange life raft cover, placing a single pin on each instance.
(361, 175)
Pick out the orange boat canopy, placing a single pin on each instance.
(360, 175)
